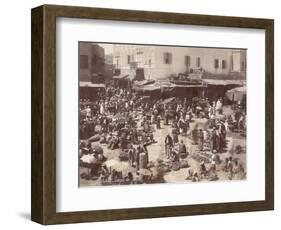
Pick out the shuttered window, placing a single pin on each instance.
(167, 58)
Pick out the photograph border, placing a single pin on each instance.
(43, 96)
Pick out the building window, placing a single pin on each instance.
(167, 58)
(198, 62)
(223, 64)
(187, 61)
(83, 61)
(149, 62)
(216, 63)
(129, 59)
(243, 66)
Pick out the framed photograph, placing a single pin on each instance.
(140, 114)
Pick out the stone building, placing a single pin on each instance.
(91, 62)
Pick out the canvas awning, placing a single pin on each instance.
(189, 86)
(143, 82)
(223, 82)
(165, 84)
(118, 77)
(236, 94)
(148, 88)
(90, 84)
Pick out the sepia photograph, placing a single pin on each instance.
(174, 109)
(151, 114)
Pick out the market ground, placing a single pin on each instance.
(157, 151)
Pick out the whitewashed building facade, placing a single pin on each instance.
(159, 62)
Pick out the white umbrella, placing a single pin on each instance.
(89, 158)
(111, 163)
(121, 166)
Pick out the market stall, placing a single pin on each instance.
(236, 94)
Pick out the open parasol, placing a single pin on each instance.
(88, 158)
(111, 162)
(117, 165)
(88, 161)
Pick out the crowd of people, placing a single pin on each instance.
(121, 119)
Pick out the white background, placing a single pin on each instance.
(15, 113)
(72, 198)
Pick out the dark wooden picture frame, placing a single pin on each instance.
(43, 207)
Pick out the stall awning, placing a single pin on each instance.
(223, 82)
(189, 86)
(236, 94)
(148, 88)
(118, 77)
(165, 84)
(143, 82)
(90, 84)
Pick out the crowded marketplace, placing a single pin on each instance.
(173, 130)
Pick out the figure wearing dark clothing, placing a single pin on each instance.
(123, 141)
(218, 141)
(158, 122)
(104, 173)
(114, 175)
(141, 149)
(113, 143)
(174, 156)
(175, 135)
(213, 140)
(135, 135)
(221, 143)
(223, 130)
(203, 170)
(195, 136)
(131, 155)
(182, 147)
(129, 178)
(169, 140)
(166, 114)
(137, 157)
(200, 140)
(168, 144)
